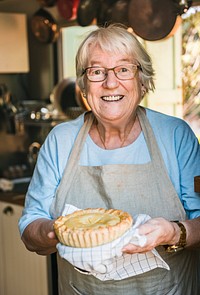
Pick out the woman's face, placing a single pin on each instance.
(112, 99)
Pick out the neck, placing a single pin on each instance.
(122, 136)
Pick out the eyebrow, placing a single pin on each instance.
(93, 63)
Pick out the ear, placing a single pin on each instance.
(143, 90)
(84, 95)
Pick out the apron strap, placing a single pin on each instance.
(148, 134)
(71, 167)
(155, 153)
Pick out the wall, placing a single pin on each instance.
(39, 82)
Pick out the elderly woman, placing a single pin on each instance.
(120, 155)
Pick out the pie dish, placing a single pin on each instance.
(92, 227)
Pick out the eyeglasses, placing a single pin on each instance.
(122, 72)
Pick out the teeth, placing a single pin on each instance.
(112, 98)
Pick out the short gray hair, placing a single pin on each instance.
(116, 38)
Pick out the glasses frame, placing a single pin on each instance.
(138, 67)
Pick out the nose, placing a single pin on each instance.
(111, 80)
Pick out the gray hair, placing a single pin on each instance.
(116, 38)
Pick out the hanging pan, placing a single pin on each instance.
(119, 12)
(43, 27)
(104, 13)
(86, 12)
(47, 3)
(152, 19)
(68, 9)
(66, 95)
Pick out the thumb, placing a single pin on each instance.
(51, 235)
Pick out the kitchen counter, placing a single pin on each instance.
(12, 197)
(15, 196)
(197, 184)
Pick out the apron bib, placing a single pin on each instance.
(137, 189)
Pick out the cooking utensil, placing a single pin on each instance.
(104, 13)
(66, 94)
(47, 3)
(44, 27)
(152, 19)
(86, 12)
(33, 152)
(4, 94)
(68, 8)
(119, 12)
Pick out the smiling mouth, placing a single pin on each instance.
(112, 97)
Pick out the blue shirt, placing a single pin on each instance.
(178, 145)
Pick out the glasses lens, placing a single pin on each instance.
(96, 74)
(125, 72)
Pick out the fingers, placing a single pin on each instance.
(133, 249)
(157, 231)
(45, 252)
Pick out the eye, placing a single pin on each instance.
(96, 71)
(123, 70)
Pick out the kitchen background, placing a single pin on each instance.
(38, 42)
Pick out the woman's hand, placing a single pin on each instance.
(39, 237)
(158, 231)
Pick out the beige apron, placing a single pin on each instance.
(144, 188)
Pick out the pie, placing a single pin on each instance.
(92, 227)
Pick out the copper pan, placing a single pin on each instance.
(66, 94)
(47, 3)
(152, 19)
(119, 12)
(68, 9)
(86, 12)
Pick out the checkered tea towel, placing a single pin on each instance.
(107, 262)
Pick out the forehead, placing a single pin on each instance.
(107, 48)
(100, 55)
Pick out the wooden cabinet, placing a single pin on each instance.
(14, 55)
(21, 272)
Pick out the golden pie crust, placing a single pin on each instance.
(92, 227)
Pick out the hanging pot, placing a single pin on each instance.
(66, 95)
(33, 152)
(119, 12)
(104, 13)
(65, 8)
(152, 19)
(68, 8)
(47, 3)
(44, 27)
(86, 12)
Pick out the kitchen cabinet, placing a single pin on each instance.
(14, 56)
(21, 272)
